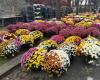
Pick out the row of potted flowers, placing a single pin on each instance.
(55, 58)
(11, 45)
(68, 26)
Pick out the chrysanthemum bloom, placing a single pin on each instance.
(52, 30)
(68, 21)
(26, 56)
(1, 40)
(38, 21)
(17, 42)
(25, 26)
(14, 27)
(51, 23)
(73, 39)
(11, 50)
(61, 26)
(33, 58)
(97, 25)
(80, 31)
(91, 39)
(2, 33)
(11, 36)
(84, 23)
(69, 48)
(29, 26)
(41, 27)
(56, 62)
(65, 32)
(27, 39)
(93, 31)
(97, 21)
(22, 32)
(36, 34)
(59, 22)
(90, 51)
(58, 38)
(48, 45)
(3, 46)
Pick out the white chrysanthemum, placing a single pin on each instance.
(48, 45)
(64, 58)
(92, 50)
(69, 48)
(44, 46)
(10, 50)
(91, 39)
(59, 22)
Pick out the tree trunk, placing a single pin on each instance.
(58, 9)
(56, 4)
(85, 6)
(77, 6)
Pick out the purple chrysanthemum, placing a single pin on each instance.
(17, 42)
(41, 27)
(65, 32)
(27, 55)
(58, 38)
(93, 31)
(80, 31)
(52, 29)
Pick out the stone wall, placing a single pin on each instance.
(10, 7)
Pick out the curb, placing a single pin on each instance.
(9, 65)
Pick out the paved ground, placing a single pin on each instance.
(9, 65)
(77, 71)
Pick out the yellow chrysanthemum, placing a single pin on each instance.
(48, 44)
(84, 23)
(3, 46)
(22, 32)
(72, 39)
(36, 59)
(27, 38)
(39, 21)
(68, 20)
(36, 34)
(83, 44)
(97, 21)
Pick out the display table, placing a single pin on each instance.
(13, 19)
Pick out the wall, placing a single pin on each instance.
(9, 7)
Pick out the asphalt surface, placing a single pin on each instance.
(77, 71)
